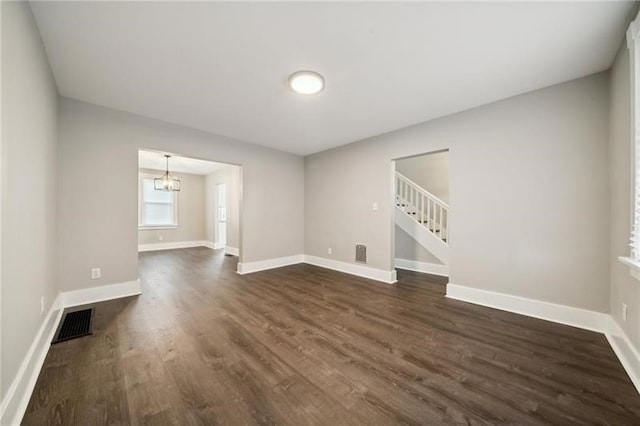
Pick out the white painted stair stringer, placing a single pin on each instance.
(422, 235)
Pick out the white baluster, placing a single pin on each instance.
(439, 220)
(413, 201)
(446, 227)
(397, 186)
(434, 226)
(423, 207)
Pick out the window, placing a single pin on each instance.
(157, 208)
(633, 43)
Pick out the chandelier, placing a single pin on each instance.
(166, 182)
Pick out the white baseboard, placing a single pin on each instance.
(17, 398)
(388, 277)
(210, 244)
(234, 251)
(100, 294)
(262, 265)
(15, 402)
(205, 243)
(568, 315)
(174, 245)
(427, 268)
(625, 351)
(589, 320)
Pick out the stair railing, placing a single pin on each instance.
(424, 207)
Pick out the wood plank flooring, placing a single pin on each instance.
(301, 345)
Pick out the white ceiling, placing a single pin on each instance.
(223, 67)
(154, 160)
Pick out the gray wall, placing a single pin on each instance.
(624, 288)
(191, 212)
(229, 175)
(430, 171)
(98, 222)
(29, 186)
(528, 189)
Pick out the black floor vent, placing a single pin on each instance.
(74, 324)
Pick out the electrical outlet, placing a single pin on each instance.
(41, 304)
(624, 312)
(160, 237)
(95, 273)
(374, 207)
(329, 251)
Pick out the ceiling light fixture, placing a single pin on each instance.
(306, 82)
(166, 182)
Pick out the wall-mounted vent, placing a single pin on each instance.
(361, 253)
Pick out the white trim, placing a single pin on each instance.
(634, 266)
(625, 351)
(173, 245)
(427, 268)
(632, 33)
(234, 251)
(17, 397)
(155, 227)
(576, 317)
(631, 263)
(589, 320)
(211, 245)
(100, 294)
(262, 265)
(388, 277)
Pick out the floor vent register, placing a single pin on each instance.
(75, 324)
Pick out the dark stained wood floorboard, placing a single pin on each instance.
(302, 345)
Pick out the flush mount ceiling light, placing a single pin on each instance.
(166, 182)
(306, 82)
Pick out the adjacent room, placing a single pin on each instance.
(312, 213)
(195, 204)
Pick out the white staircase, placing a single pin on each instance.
(423, 216)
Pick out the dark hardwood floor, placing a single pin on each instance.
(303, 345)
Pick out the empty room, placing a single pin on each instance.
(313, 213)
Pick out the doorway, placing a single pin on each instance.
(221, 215)
(421, 213)
(199, 208)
